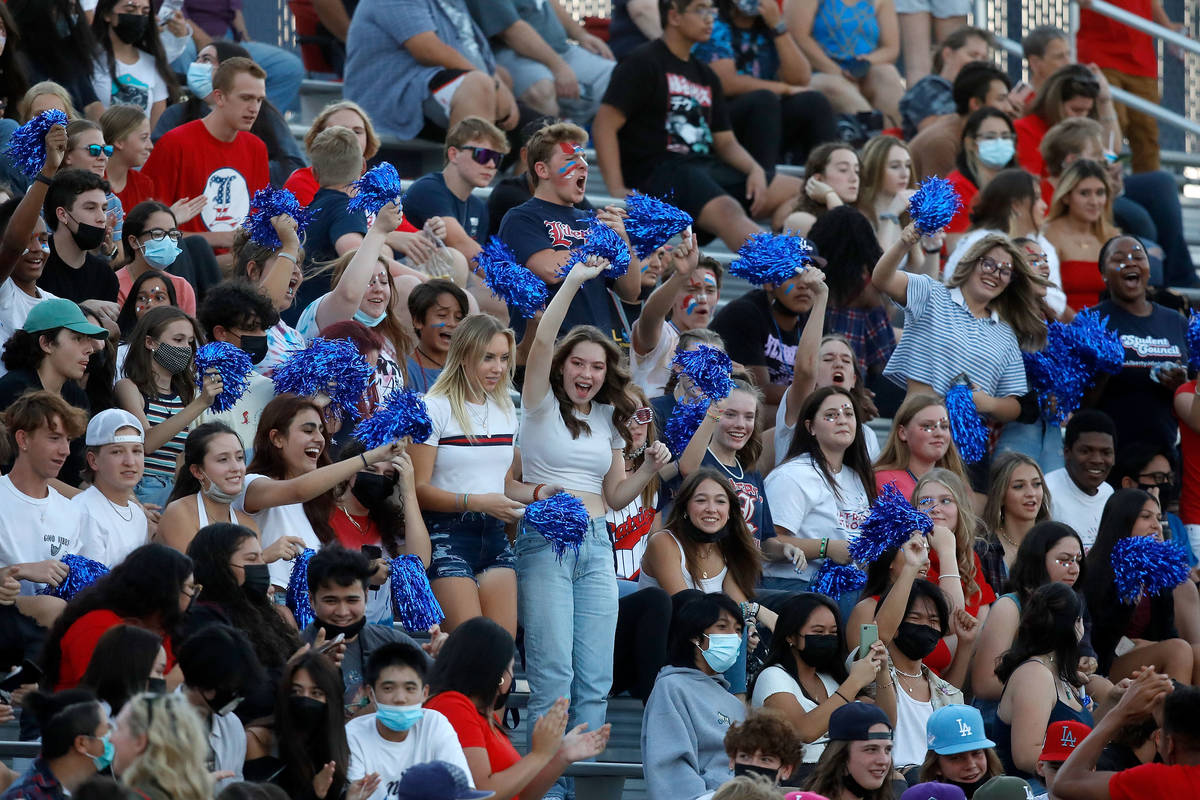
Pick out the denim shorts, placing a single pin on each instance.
(465, 545)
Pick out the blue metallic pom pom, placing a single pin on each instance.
(933, 205)
(27, 145)
(890, 524)
(771, 258)
(330, 366)
(604, 242)
(268, 203)
(298, 600)
(377, 187)
(709, 369)
(652, 222)
(834, 579)
(966, 428)
(412, 598)
(1193, 341)
(510, 281)
(1068, 365)
(682, 425)
(1142, 564)
(562, 518)
(402, 413)
(233, 364)
(83, 573)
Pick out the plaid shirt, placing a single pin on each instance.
(36, 784)
(869, 332)
(932, 96)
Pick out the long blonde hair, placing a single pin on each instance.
(872, 166)
(896, 453)
(172, 765)
(456, 382)
(964, 531)
(1017, 305)
(1079, 170)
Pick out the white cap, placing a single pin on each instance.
(102, 429)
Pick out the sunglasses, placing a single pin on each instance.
(642, 416)
(94, 150)
(484, 155)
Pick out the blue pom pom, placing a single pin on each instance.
(1193, 340)
(330, 366)
(604, 242)
(268, 203)
(682, 425)
(771, 258)
(412, 598)
(966, 428)
(233, 364)
(1068, 365)
(27, 145)
(298, 600)
(402, 413)
(83, 573)
(510, 281)
(377, 187)
(834, 580)
(890, 524)
(933, 205)
(1142, 564)
(709, 369)
(650, 222)
(562, 518)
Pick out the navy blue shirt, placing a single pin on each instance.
(330, 220)
(430, 197)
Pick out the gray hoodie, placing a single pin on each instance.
(683, 733)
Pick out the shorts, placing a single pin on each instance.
(939, 9)
(466, 545)
(692, 181)
(442, 87)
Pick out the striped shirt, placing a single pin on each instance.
(162, 461)
(473, 461)
(943, 340)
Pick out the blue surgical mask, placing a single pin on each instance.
(996, 153)
(367, 319)
(722, 650)
(160, 252)
(398, 718)
(105, 759)
(199, 79)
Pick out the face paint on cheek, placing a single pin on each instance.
(689, 303)
(575, 153)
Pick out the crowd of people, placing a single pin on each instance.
(158, 556)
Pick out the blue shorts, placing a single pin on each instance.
(466, 545)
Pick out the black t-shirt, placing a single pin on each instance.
(16, 383)
(670, 106)
(430, 197)
(754, 339)
(95, 280)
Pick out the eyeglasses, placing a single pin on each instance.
(703, 11)
(484, 155)
(1155, 478)
(1068, 561)
(930, 502)
(832, 414)
(989, 266)
(930, 427)
(642, 416)
(94, 150)
(158, 234)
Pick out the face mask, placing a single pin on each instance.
(105, 759)
(173, 358)
(996, 153)
(224, 701)
(916, 641)
(350, 630)
(969, 788)
(753, 769)
(501, 699)
(130, 28)
(87, 237)
(255, 347)
(156, 686)
(722, 650)
(820, 650)
(372, 489)
(199, 79)
(216, 494)
(306, 712)
(854, 787)
(98, 359)
(367, 319)
(62, 27)
(258, 579)
(398, 718)
(160, 252)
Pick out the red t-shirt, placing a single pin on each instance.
(474, 730)
(1114, 45)
(185, 295)
(967, 192)
(903, 479)
(138, 188)
(353, 536)
(303, 184)
(188, 161)
(984, 597)
(80, 640)
(1031, 129)
(1155, 780)
(1189, 444)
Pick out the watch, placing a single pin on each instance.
(781, 27)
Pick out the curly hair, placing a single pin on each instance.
(172, 765)
(768, 732)
(845, 239)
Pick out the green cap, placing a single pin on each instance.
(61, 313)
(1004, 787)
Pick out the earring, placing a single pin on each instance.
(685, 516)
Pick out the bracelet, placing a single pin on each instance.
(40, 178)
(928, 251)
(824, 548)
(537, 489)
(887, 685)
(363, 456)
(890, 218)
(954, 575)
(839, 694)
(465, 506)
(287, 255)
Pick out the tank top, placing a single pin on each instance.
(707, 585)
(159, 409)
(203, 512)
(845, 30)
(1082, 283)
(1002, 735)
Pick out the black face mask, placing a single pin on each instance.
(349, 631)
(255, 347)
(853, 786)
(258, 579)
(820, 650)
(698, 535)
(130, 28)
(753, 769)
(372, 489)
(224, 701)
(306, 712)
(156, 686)
(916, 641)
(98, 360)
(87, 237)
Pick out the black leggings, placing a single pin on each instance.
(779, 129)
(643, 620)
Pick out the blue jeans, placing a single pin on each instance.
(1039, 440)
(154, 489)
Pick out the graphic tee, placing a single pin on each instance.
(137, 84)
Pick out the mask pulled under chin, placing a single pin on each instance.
(349, 631)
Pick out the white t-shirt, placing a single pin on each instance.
(775, 680)
(1072, 506)
(108, 532)
(784, 433)
(802, 502)
(550, 455)
(14, 308)
(653, 370)
(1055, 298)
(274, 524)
(462, 464)
(282, 339)
(34, 530)
(431, 739)
(137, 84)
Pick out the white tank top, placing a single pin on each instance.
(707, 585)
(203, 513)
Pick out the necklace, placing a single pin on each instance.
(117, 509)
(1003, 536)
(916, 674)
(350, 517)
(741, 473)
(704, 557)
(480, 420)
(430, 358)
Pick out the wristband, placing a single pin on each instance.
(537, 489)
(465, 506)
(839, 694)
(780, 27)
(40, 178)
(890, 218)
(930, 251)
(287, 255)
(363, 456)
(824, 547)
(954, 575)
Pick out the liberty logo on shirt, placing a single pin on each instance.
(563, 235)
(228, 200)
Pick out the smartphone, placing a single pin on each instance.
(1021, 94)
(28, 672)
(1124, 646)
(332, 643)
(868, 635)
(859, 68)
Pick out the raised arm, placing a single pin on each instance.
(648, 328)
(891, 611)
(129, 397)
(808, 349)
(887, 277)
(25, 216)
(274, 282)
(341, 303)
(271, 493)
(629, 285)
(537, 368)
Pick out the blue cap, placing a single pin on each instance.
(956, 729)
(436, 780)
(852, 722)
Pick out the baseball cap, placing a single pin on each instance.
(437, 780)
(933, 791)
(804, 796)
(1004, 787)
(102, 428)
(956, 729)
(851, 723)
(1062, 738)
(61, 313)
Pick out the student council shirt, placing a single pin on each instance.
(550, 455)
(108, 532)
(1072, 506)
(475, 463)
(431, 739)
(35, 529)
(275, 523)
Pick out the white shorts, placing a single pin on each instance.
(939, 9)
